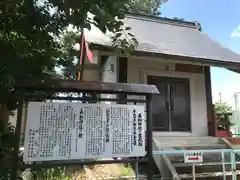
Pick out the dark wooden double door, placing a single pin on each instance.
(171, 108)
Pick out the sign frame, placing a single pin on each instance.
(140, 93)
(134, 114)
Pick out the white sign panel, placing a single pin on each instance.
(61, 131)
(193, 157)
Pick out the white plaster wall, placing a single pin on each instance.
(138, 69)
(91, 75)
(109, 70)
(109, 73)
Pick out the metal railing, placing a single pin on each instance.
(233, 155)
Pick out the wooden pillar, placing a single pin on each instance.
(210, 114)
(122, 74)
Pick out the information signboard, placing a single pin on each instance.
(193, 157)
(62, 131)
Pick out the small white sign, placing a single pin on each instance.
(193, 157)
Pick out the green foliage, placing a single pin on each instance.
(125, 171)
(6, 148)
(151, 7)
(223, 112)
(124, 42)
(6, 142)
(222, 108)
(70, 56)
(28, 47)
(56, 173)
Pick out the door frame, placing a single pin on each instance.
(144, 73)
(188, 101)
(169, 81)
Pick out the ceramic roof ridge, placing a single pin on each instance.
(163, 20)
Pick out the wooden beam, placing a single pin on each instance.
(88, 86)
(122, 70)
(208, 89)
(122, 75)
(188, 68)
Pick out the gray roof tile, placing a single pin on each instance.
(171, 37)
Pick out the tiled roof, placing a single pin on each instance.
(171, 37)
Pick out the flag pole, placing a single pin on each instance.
(82, 57)
(84, 51)
(82, 67)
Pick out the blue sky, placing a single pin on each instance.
(220, 21)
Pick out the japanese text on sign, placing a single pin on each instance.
(61, 131)
(193, 157)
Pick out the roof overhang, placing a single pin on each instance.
(233, 66)
(177, 40)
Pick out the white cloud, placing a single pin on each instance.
(236, 32)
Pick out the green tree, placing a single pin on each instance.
(28, 29)
(68, 38)
(28, 47)
(70, 56)
(150, 7)
(223, 112)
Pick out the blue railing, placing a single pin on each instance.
(232, 152)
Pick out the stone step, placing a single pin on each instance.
(187, 138)
(163, 142)
(176, 165)
(211, 166)
(207, 175)
(199, 146)
(203, 169)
